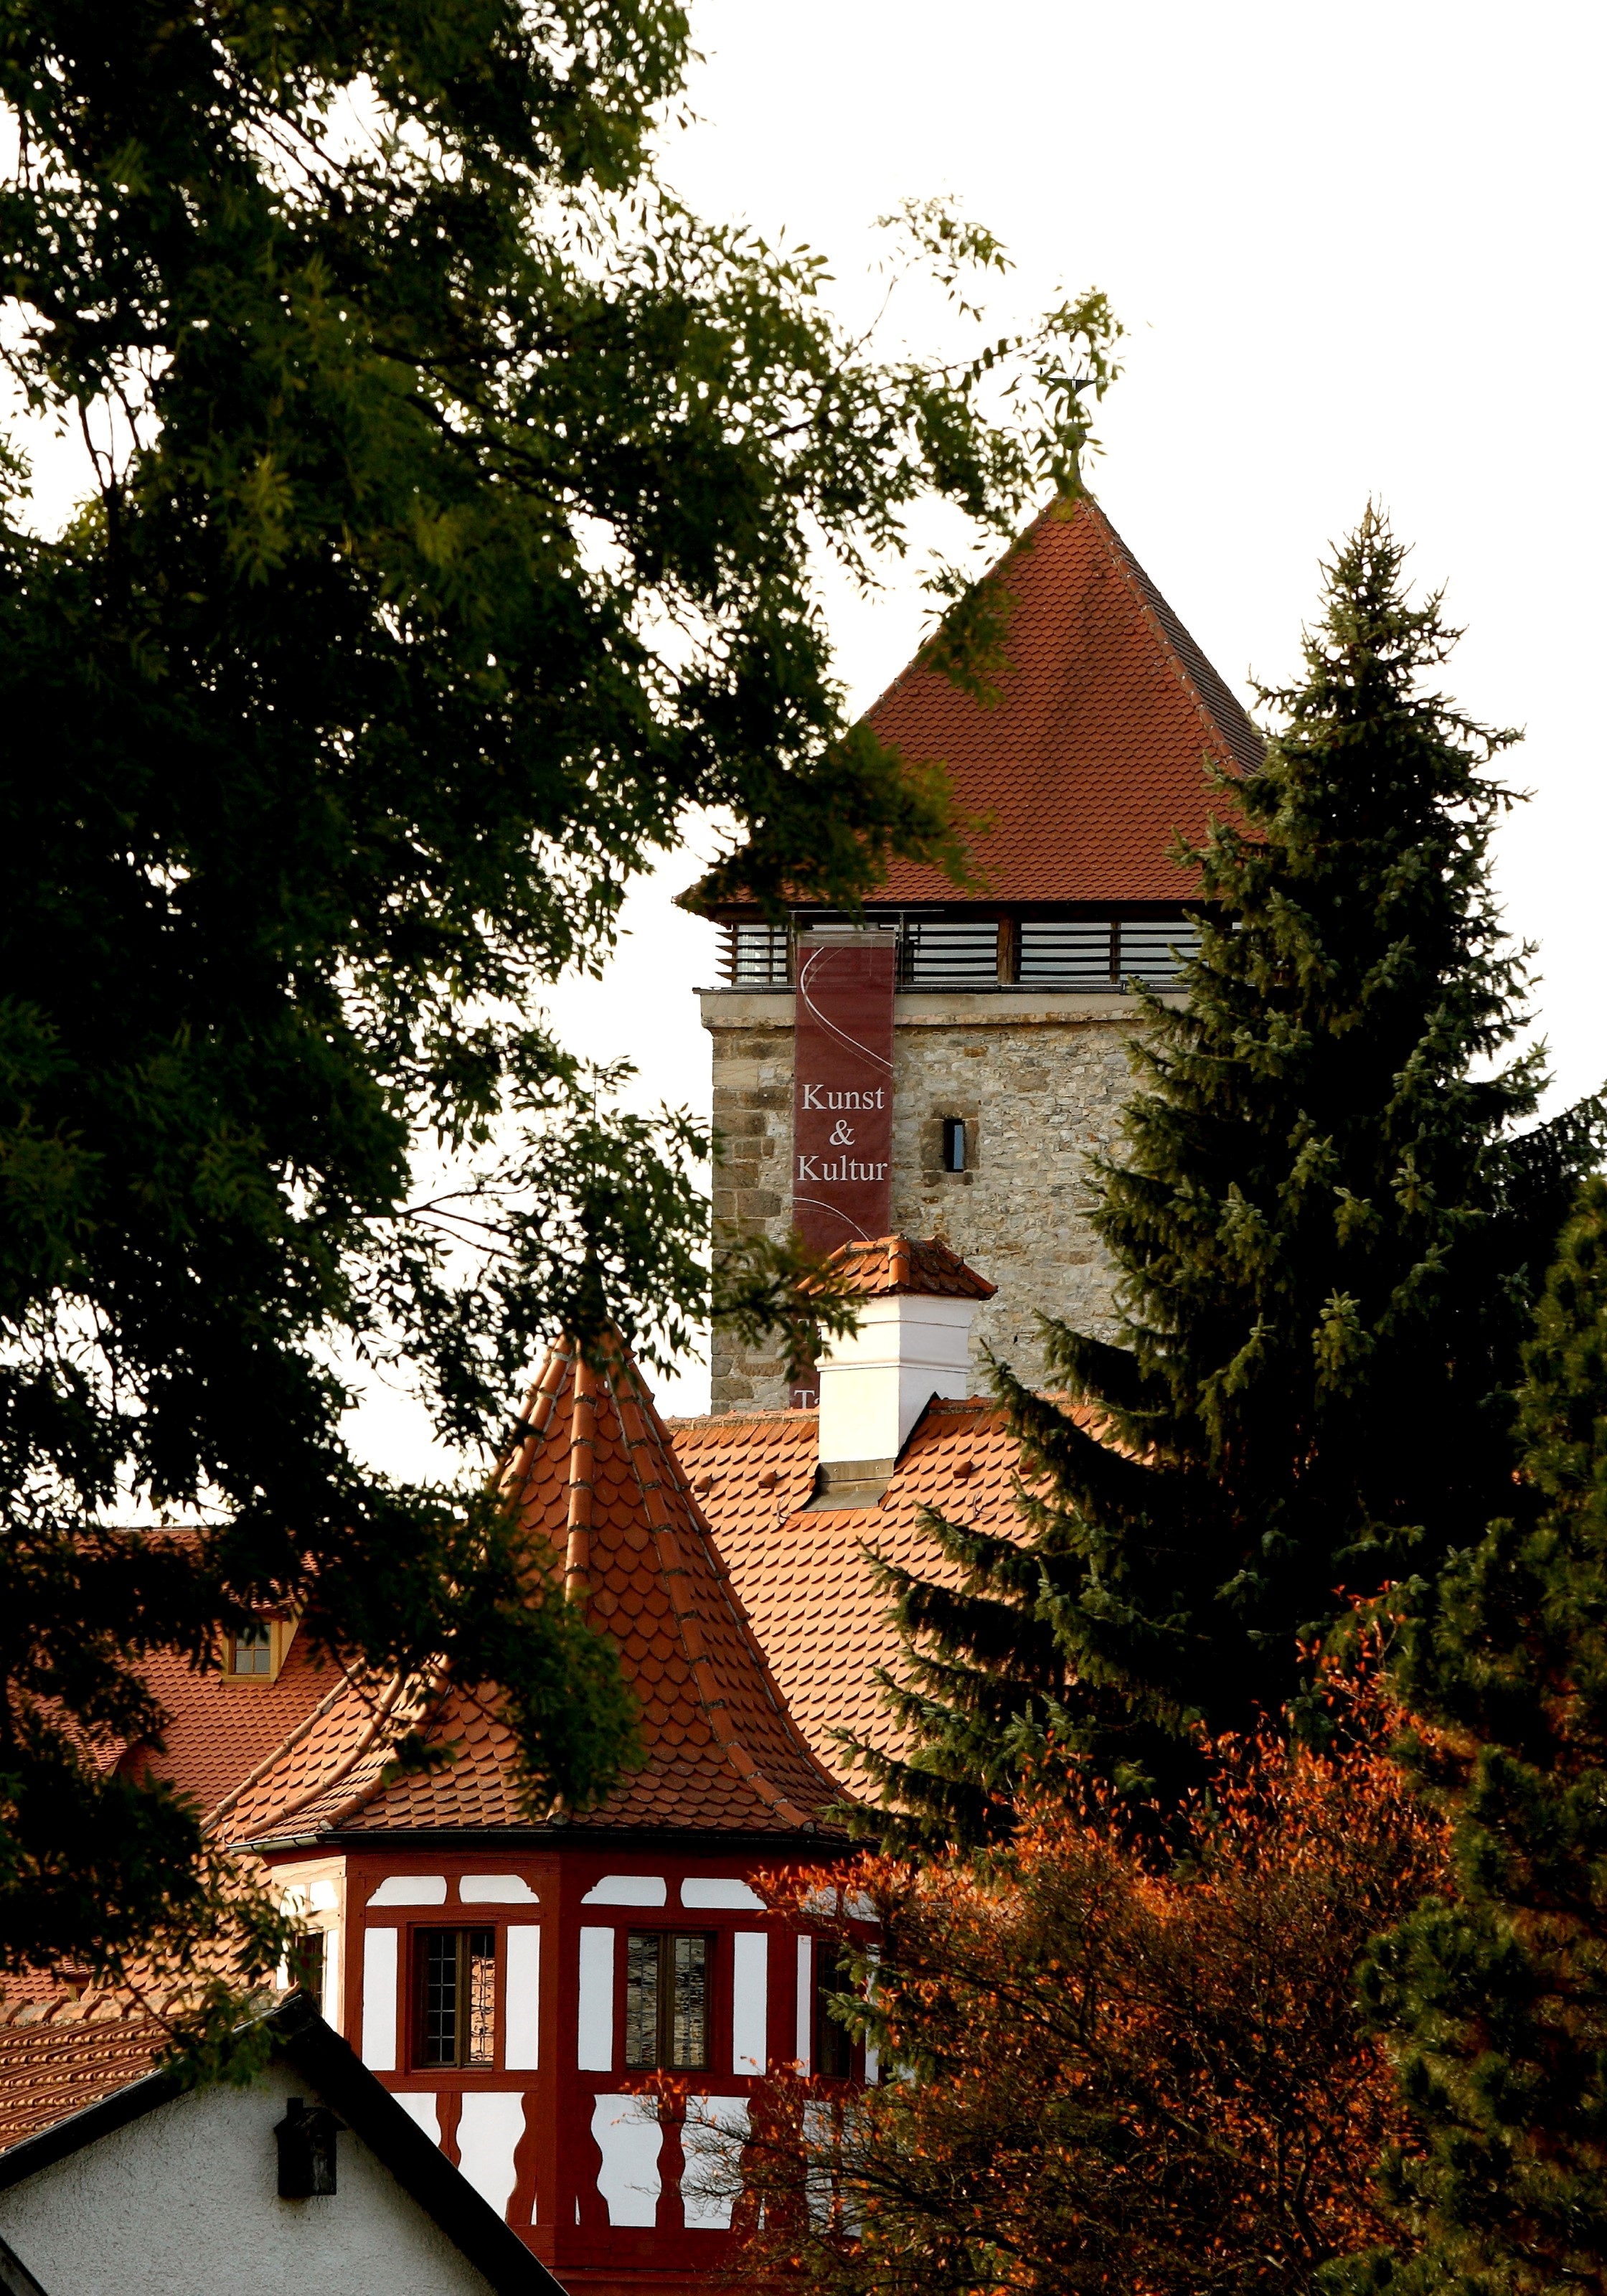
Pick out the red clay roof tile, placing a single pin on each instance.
(50, 2070)
(805, 1575)
(900, 1264)
(604, 1503)
(1092, 761)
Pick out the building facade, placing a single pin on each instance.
(1012, 1004)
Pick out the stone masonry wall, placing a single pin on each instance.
(1039, 1081)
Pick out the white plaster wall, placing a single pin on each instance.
(875, 1382)
(184, 2202)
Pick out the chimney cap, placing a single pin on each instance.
(889, 1266)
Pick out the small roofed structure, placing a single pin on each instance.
(913, 1343)
(889, 1266)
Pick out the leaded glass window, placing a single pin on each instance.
(666, 1980)
(457, 1996)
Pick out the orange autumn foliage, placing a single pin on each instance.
(1118, 2072)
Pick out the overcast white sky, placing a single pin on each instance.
(1358, 249)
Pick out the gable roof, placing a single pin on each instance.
(50, 2073)
(604, 1504)
(806, 1575)
(106, 2086)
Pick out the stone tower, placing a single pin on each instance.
(1005, 1012)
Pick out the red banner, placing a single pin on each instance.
(842, 1093)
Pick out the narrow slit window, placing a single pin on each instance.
(954, 1143)
(456, 1997)
(666, 1981)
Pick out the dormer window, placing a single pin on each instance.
(252, 1650)
(255, 1653)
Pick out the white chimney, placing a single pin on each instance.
(917, 1303)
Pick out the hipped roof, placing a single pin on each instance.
(886, 1266)
(1092, 760)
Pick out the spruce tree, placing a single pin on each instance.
(1496, 1998)
(1322, 1230)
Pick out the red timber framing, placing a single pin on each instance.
(558, 2129)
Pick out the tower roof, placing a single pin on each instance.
(604, 1503)
(1092, 761)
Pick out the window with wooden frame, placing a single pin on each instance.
(255, 1653)
(667, 1978)
(834, 2042)
(454, 1997)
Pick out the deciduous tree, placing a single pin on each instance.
(1107, 2073)
(454, 501)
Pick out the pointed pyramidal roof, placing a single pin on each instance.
(1092, 761)
(604, 1504)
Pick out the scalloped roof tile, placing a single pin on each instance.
(603, 1503)
(908, 1266)
(806, 1577)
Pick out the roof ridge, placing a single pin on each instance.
(384, 1712)
(687, 1620)
(1177, 643)
(287, 1744)
(1023, 541)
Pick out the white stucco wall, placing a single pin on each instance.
(184, 2201)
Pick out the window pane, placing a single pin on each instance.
(483, 1998)
(307, 1965)
(833, 2047)
(438, 2036)
(252, 1653)
(689, 2031)
(642, 1998)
